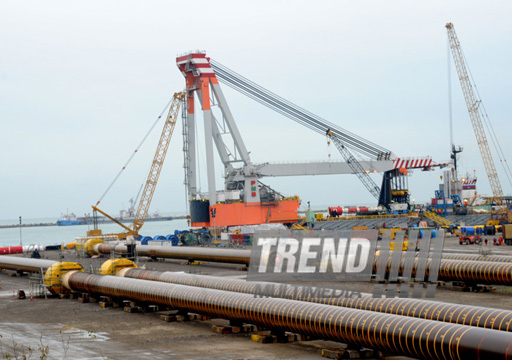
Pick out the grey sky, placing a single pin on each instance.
(82, 81)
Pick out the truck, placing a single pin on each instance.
(470, 239)
(507, 233)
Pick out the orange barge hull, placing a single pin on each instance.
(235, 214)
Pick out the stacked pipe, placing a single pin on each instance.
(339, 210)
(460, 314)
(480, 272)
(389, 333)
(496, 319)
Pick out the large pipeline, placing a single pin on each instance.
(20, 249)
(475, 272)
(24, 264)
(478, 272)
(389, 333)
(478, 257)
(497, 319)
(241, 256)
(336, 211)
(347, 325)
(232, 256)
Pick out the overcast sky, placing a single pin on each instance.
(82, 81)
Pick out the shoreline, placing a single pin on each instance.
(102, 220)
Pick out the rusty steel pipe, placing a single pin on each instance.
(417, 338)
(479, 272)
(24, 264)
(461, 314)
(497, 319)
(478, 257)
(476, 272)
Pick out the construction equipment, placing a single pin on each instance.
(473, 104)
(507, 233)
(470, 239)
(154, 172)
(342, 139)
(245, 200)
(438, 219)
(458, 205)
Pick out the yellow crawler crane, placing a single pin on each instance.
(154, 172)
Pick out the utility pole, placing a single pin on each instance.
(21, 243)
(213, 211)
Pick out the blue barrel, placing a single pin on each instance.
(468, 230)
(145, 239)
(159, 237)
(174, 239)
(434, 234)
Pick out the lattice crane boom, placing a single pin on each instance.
(473, 104)
(154, 172)
(158, 161)
(356, 167)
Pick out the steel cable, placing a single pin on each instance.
(294, 112)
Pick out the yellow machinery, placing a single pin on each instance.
(53, 276)
(112, 266)
(154, 172)
(405, 244)
(391, 231)
(438, 219)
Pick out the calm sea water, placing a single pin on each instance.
(56, 235)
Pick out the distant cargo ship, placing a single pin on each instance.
(71, 219)
(68, 219)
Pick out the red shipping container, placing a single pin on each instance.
(237, 239)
